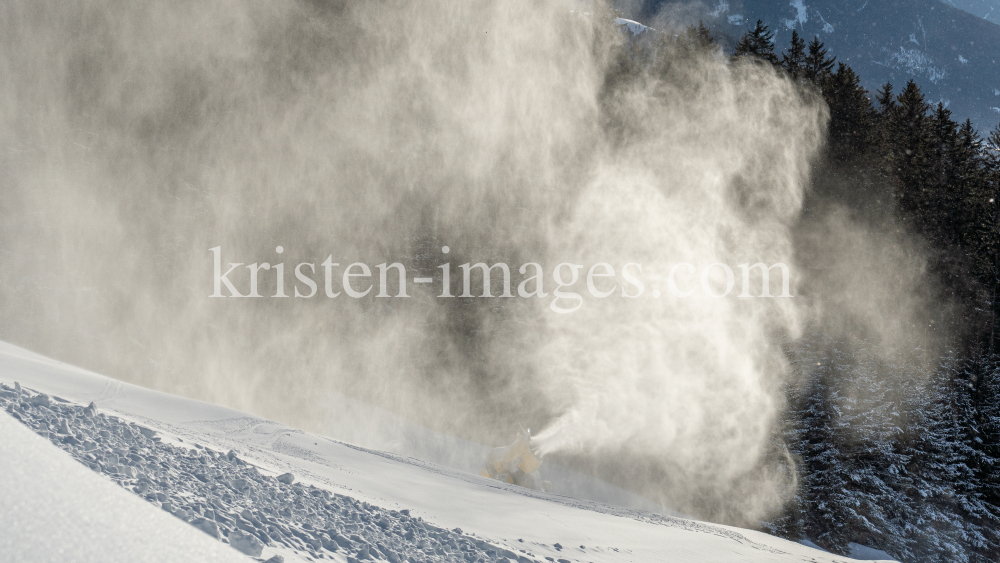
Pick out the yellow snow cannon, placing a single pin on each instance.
(516, 464)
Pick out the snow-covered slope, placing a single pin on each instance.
(370, 427)
(633, 27)
(458, 515)
(987, 9)
(55, 509)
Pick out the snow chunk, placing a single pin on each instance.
(53, 508)
(39, 400)
(207, 526)
(245, 543)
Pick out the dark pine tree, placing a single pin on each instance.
(852, 117)
(874, 462)
(943, 199)
(824, 496)
(951, 520)
(757, 44)
(988, 414)
(909, 153)
(795, 58)
(699, 37)
(885, 99)
(817, 66)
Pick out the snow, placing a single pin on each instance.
(980, 8)
(55, 509)
(801, 12)
(809, 543)
(84, 504)
(720, 8)
(360, 424)
(634, 27)
(865, 553)
(915, 62)
(858, 551)
(827, 28)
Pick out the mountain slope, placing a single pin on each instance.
(535, 524)
(53, 509)
(953, 56)
(989, 10)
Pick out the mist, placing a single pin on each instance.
(137, 137)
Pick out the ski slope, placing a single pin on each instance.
(501, 519)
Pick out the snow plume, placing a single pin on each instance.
(716, 176)
(138, 136)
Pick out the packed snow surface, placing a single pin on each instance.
(147, 462)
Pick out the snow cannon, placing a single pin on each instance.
(516, 464)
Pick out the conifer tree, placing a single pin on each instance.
(817, 66)
(700, 37)
(988, 410)
(883, 132)
(969, 186)
(941, 194)
(909, 137)
(825, 481)
(885, 99)
(757, 44)
(793, 60)
(874, 463)
(993, 148)
(852, 118)
(951, 518)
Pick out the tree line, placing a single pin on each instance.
(888, 453)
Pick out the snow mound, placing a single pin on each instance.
(53, 509)
(225, 497)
